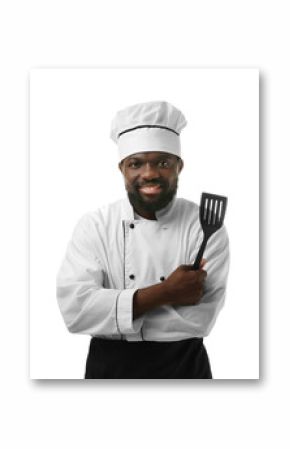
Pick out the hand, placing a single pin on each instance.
(185, 286)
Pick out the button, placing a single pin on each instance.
(132, 276)
(162, 278)
(132, 226)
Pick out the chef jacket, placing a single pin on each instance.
(112, 254)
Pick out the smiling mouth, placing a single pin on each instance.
(150, 189)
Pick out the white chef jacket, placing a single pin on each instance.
(112, 254)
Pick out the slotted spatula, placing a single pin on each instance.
(211, 215)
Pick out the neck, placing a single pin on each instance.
(145, 214)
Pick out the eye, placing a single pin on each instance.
(163, 164)
(134, 164)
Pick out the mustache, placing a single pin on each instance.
(153, 182)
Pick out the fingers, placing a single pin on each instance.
(200, 292)
(189, 267)
(185, 267)
(200, 275)
(202, 263)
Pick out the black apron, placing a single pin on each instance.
(120, 359)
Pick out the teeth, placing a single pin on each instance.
(150, 189)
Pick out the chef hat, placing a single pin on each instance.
(151, 126)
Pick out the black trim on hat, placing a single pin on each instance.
(147, 126)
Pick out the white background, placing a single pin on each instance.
(188, 33)
(73, 169)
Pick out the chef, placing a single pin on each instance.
(127, 279)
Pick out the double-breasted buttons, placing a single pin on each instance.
(162, 278)
(132, 276)
(132, 226)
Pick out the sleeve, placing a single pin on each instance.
(200, 319)
(86, 306)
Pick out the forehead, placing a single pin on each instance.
(151, 156)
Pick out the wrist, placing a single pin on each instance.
(149, 298)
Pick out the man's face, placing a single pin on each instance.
(151, 180)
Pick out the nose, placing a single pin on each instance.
(150, 171)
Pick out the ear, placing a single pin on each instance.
(120, 165)
(180, 165)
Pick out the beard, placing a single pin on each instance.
(152, 204)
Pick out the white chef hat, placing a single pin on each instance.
(150, 126)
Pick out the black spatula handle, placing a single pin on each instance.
(200, 254)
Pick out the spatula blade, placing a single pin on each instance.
(212, 210)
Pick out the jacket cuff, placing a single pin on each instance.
(124, 313)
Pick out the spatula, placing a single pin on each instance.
(211, 216)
